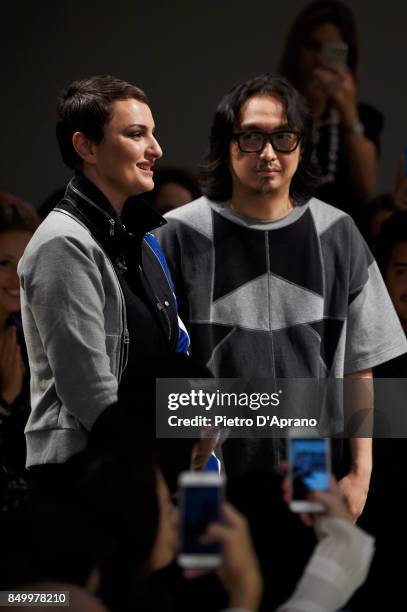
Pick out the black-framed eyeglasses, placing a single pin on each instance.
(283, 141)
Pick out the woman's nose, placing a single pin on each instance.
(154, 149)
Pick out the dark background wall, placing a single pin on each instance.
(185, 54)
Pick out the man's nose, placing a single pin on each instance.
(268, 151)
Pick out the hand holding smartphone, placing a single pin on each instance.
(335, 54)
(309, 470)
(201, 497)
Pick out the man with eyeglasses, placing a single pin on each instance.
(273, 282)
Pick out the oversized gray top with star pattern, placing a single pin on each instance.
(298, 297)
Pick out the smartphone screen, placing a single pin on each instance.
(309, 466)
(200, 505)
(335, 54)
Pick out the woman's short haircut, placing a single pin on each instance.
(313, 15)
(216, 179)
(86, 106)
(16, 215)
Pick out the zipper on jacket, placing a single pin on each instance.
(167, 304)
(164, 272)
(89, 201)
(125, 351)
(125, 337)
(158, 304)
(162, 309)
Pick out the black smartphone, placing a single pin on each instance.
(201, 496)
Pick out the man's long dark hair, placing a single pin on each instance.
(216, 179)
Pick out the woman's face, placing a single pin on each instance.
(165, 545)
(124, 159)
(12, 245)
(310, 57)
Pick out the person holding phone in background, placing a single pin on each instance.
(320, 58)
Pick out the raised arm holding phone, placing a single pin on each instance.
(321, 59)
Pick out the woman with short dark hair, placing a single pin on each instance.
(98, 305)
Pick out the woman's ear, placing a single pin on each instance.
(84, 147)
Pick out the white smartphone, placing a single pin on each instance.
(309, 470)
(201, 497)
(335, 54)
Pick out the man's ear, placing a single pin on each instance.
(84, 147)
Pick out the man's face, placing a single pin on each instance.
(267, 172)
(396, 281)
(128, 150)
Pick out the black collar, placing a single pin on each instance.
(138, 215)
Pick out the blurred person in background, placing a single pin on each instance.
(385, 512)
(117, 531)
(391, 255)
(384, 206)
(173, 187)
(321, 58)
(18, 222)
(50, 202)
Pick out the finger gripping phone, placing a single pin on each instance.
(309, 470)
(201, 497)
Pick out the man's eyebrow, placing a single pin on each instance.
(400, 263)
(260, 127)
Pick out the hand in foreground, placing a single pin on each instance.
(11, 366)
(239, 573)
(354, 488)
(333, 501)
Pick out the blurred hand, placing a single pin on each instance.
(333, 501)
(239, 573)
(11, 366)
(339, 85)
(201, 452)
